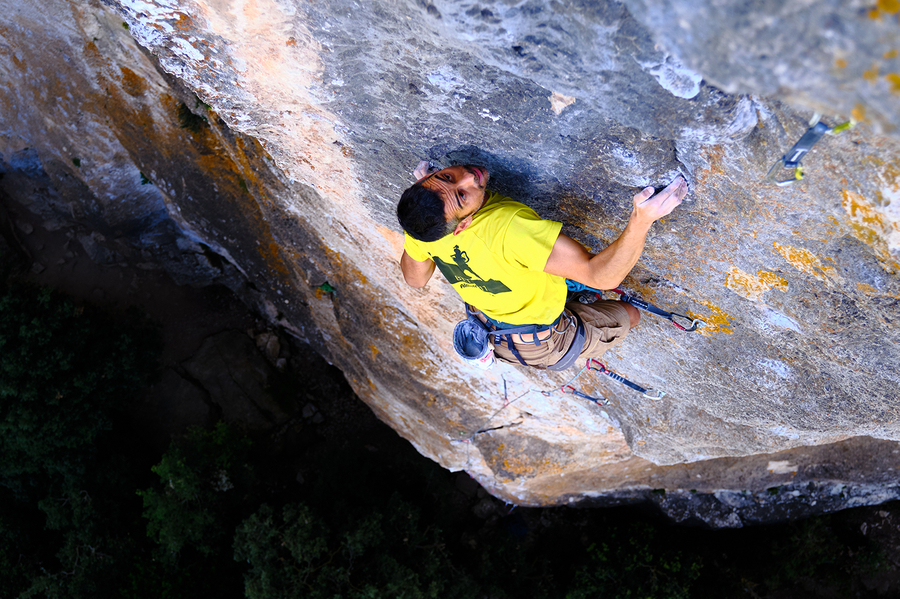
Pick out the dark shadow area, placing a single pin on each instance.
(301, 492)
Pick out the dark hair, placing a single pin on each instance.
(421, 214)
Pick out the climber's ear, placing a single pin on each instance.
(463, 225)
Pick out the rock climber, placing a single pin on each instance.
(510, 266)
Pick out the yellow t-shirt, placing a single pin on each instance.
(497, 263)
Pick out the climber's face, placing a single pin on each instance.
(462, 189)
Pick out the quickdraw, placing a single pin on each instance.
(690, 325)
(596, 365)
(791, 160)
(600, 401)
(694, 323)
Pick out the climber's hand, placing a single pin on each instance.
(649, 207)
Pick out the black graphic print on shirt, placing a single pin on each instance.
(459, 272)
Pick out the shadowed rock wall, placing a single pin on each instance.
(282, 174)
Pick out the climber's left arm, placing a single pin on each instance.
(416, 273)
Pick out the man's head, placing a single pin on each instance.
(443, 202)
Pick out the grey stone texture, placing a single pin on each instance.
(832, 57)
(263, 144)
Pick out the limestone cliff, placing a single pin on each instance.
(263, 144)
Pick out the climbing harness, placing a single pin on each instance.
(472, 345)
(690, 325)
(575, 349)
(501, 330)
(595, 364)
(791, 160)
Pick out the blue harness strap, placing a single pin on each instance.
(574, 350)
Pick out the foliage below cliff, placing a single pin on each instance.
(372, 519)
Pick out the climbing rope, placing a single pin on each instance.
(592, 364)
(508, 402)
(791, 160)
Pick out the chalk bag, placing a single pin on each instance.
(470, 340)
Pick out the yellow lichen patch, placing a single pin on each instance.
(751, 287)
(840, 63)
(869, 220)
(520, 464)
(894, 80)
(864, 288)
(804, 261)
(874, 14)
(889, 6)
(871, 75)
(891, 54)
(717, 322)
(772, 280)
(860, 210)
(374, 349)
(858, 113)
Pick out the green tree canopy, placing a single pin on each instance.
(63, 367)
(204, 482)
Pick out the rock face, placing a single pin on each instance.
(263, 144)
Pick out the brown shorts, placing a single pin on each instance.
(606, 323)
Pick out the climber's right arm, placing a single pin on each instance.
(416, 273)
(609, 267)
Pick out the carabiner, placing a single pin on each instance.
(796, 174)
(695, 323)
(658, 395)
(577, 393)
(595, 364)
(792, 159)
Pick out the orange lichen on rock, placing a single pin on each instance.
(772, 280)
(858, 113)
(717, 322)
(804, 261)
(869, 219)
(871, 75)
(521, 465)
(889, 6)
(894, 80)
(745, 284)
(716, 157)
(131, 82)
(840, 63)
(753, 287)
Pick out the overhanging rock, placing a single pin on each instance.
(283, 172)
